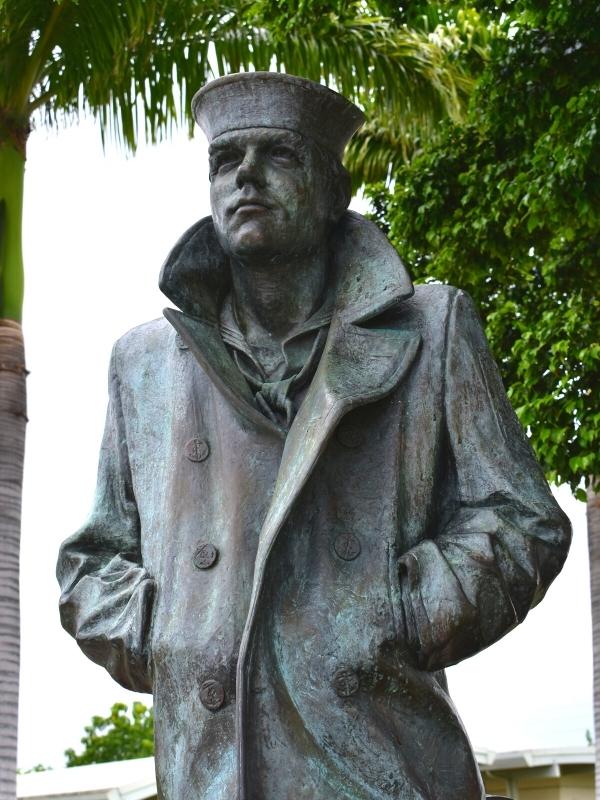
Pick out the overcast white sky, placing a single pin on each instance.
(97, 228)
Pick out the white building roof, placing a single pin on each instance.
(537, 763)
(116, 780)
(135, 779)
(519, 759)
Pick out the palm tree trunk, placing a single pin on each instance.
(12, 446)
(12, 442)
(593, 522)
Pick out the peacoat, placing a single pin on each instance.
(292, 598)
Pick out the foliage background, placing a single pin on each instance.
(116, 737)
(507, 206)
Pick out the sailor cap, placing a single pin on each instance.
(277, 100)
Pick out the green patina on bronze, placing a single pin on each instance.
(290, 581)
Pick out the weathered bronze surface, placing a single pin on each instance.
(313, 494)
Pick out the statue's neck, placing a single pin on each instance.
(272, 299)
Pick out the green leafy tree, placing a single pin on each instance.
(133, 64)
(507, 205)
(118, 737)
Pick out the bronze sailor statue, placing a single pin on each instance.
(313, 494)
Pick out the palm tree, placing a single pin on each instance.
(389, 140)
(133, 65)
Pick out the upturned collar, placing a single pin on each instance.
(369, 276)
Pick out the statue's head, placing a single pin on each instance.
(275, 148)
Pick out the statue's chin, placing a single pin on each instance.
(262, 244)
(252, 246)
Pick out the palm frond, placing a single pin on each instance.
(378, 150)
(134, 64)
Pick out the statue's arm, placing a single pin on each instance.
(504, 538)
(106, 594)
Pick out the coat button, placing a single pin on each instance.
(180, 343)
(205, 555)
(350, 436)
(197, 449)
(345, 682)
(212, 695)
(347, 546)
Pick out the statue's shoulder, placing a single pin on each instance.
(436, 293)
(437, 301)
(431, 304)
(146, 342)
(449, 312)
(149, 333)
(440, 313)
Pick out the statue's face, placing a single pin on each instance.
(268, 194)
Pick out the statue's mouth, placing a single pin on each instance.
(250, 205)
(245, 208)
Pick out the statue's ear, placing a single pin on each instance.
(341, 194)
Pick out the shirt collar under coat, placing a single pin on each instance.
(357, 362)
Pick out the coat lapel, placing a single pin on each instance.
(206, 344)
(359, 366)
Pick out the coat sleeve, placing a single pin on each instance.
(106, 594)
(503, 538)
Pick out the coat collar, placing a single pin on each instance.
(368, 273)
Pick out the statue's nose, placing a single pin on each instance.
(250, 171)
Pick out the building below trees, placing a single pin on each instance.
(562, 774)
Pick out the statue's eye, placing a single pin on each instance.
(224, 161)
(284, 154)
